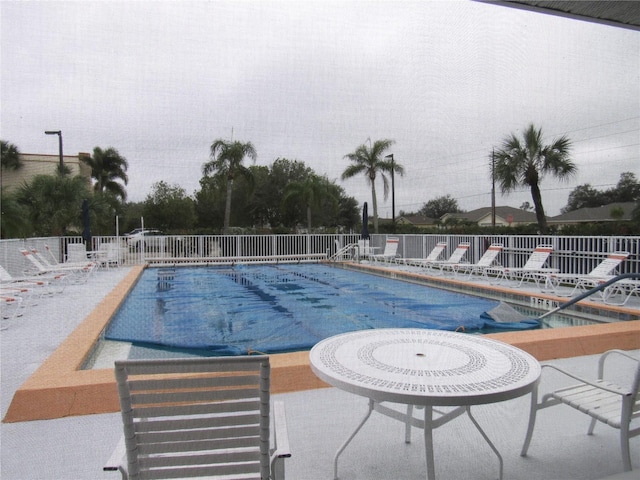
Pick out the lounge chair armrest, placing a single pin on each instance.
(617, 390)
(115, 462)
(281, 441)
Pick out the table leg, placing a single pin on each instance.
(348, 441)
(428, 442)
(533, 410)
(486, 438)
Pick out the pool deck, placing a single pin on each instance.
(42, 350)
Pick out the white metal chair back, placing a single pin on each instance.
(364, 248)
(202, 417)
(391, 247)
(609, 264)
(41, 258)
(436, 252)
(538, 258)
(5, 276)
(459, 253)
(490, 255)
(76, 252)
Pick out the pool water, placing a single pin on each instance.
(278, 308)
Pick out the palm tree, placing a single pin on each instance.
(526, 163)
(370, 162)
(53, 203)
(9, 156)
(226, 162)
(310, 193)
(107, 167)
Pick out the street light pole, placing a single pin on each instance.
(393, 194)
(59, 133)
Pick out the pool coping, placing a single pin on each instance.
(60, 388)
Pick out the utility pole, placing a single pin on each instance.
(493, 190)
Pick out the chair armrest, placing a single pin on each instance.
(604, 356)
(115, 460)
(281, 431)
(281, 442)
(617, 390)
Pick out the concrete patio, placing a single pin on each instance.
(319, 421)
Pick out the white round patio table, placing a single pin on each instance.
(426, 368)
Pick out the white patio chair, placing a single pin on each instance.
(600, 274)
(455, 258)
(47, 283)
(198, 417)
(620, 292)
(390, 251)
(364, 248)
(107, 255)
(79, 272)
(432, 257)
(603, 401)
(486, 261)
(532, 270)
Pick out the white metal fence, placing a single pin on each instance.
(570, 254)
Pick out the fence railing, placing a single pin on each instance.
(570, 254)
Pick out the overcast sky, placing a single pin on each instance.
(311, 81)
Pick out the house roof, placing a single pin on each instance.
(517, 215)
(417, 219)
(595, 214)
(622, 14)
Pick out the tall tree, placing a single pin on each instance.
(371, 162)
(437, 207)
(226, 162)
(108, 168)
(310, 193)
(168, 207)
(525, 163)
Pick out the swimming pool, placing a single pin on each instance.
(278, 308)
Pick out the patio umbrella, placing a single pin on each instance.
(86, 224)
(365, 221)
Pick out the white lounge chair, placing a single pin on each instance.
(487, 260)
(532, 270)
(6, 279)
(600, 274)
(620, 292)
(199, 417)
(432, 257)
(390, 251)
(455, 258)
(615, 405)
(78, 272)
(81, 263)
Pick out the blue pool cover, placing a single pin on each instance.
(280, 308)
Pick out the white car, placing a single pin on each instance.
(141, 238)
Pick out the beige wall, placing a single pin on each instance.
(34, 164)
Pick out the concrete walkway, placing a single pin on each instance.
(319, 421)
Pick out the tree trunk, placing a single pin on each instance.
(227, 207)
(309, 218)
(374, 201)
(537, 202)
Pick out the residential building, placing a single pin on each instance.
(36, 164)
